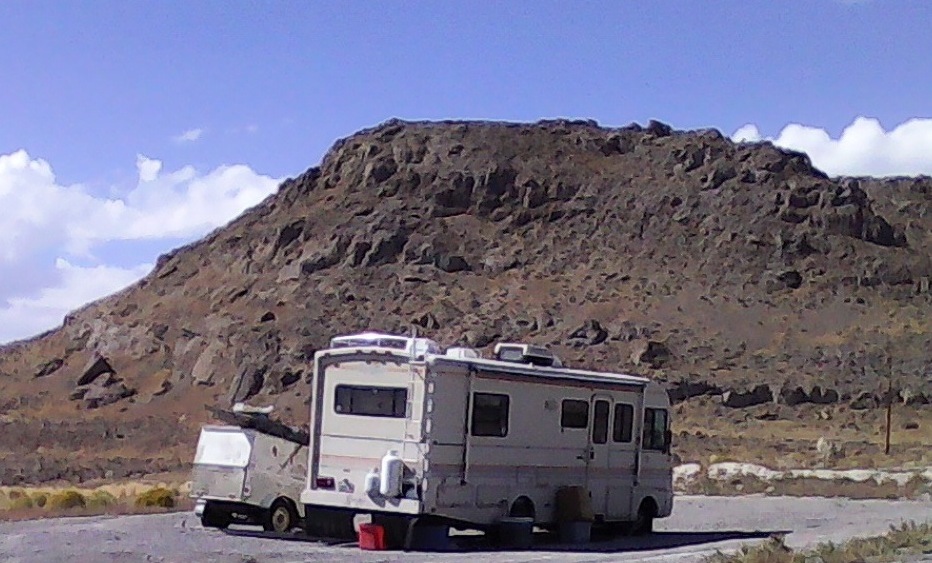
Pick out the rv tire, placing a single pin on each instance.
(332, 523)
(645, 519)
(281, 516)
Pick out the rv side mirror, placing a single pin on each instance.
(667, 441)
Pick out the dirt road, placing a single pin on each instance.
(700, 525)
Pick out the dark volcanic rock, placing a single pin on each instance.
(49, 367)
(480, 232)
(759, 395)
(652, 353)
(590, 333)
(96, 366)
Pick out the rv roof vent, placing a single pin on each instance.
(463, 353)
(526, 354)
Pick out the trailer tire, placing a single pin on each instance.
(214, 517)
(281, 516)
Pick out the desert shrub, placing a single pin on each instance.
(39, 499)
(14, 494)
(21, 503)
(159, 496)
(65, 500)
(100, 499)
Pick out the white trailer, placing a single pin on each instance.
(469, 441)
(245, 476)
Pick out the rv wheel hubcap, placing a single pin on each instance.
(280, 519)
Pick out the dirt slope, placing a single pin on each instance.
(735, 272)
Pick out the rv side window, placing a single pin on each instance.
(600, 422)
(489, 415)
(575, 414)
(655, 429)
(624, 421)
(371, 401)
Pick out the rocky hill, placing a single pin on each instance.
(732, 271)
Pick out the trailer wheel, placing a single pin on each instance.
(214, 517)
(281, 517)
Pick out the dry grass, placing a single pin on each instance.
(115, 499)
(160, 497)
(915, 488)
(900, 543)
(781, 437)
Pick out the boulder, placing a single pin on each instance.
(759, 395)
(787, 279)
(98, 396)
(683, 390)
(96, 366)
(823, 397)
(206, 366)
(451, 263)
(792, 396)
(590, 333)
(865, 401)
(652, 353)
(49, 367)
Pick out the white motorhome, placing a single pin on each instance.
(468, 441)
(242, 475)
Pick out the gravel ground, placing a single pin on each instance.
(700, 525)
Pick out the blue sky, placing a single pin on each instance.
(94, 89)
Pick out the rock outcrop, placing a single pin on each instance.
(680, 255)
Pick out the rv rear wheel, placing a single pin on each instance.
(281, 517)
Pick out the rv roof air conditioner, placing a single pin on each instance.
(526, 354)
(419, 346)
(463, 353)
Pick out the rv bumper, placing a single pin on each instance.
(199, 507)
(362, 504)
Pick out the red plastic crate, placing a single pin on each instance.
(371, 537)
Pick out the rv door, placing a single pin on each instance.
(598, 469)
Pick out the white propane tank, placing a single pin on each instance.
(373, 482)
(392, 470)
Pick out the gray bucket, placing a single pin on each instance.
(575, 532)
(430, 537)
(516, 532)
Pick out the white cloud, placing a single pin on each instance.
(42, 218)
(148, 168)
(73, 286)
(38, 213)
(864, 148)
(746, 133)
(188, 136)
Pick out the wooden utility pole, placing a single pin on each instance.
(889, 401)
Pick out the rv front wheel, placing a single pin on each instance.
(281, 518)
(645, 519)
